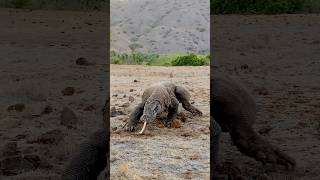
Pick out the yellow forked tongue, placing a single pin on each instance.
(143, 128)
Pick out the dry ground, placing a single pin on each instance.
(162, 153)
(278, 58)
(38, 51)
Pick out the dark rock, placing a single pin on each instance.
(50, 137)
(10, 149)
(68, 118)
(68, 91)
(90, 108)
(114, 112)
(131, 99)
(84, 62)
(15, 165)
(125, 105)
(47, 110)
(33, 159)
(16, 107)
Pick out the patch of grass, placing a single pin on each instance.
(264, 6)
(178, 59)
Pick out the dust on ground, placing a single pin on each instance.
(39, 77)
(162, 153)
(277, 58)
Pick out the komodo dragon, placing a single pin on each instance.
(161, 100)
(233, 110)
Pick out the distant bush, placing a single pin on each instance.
(189, 60)
(159, 60)
(264, 6)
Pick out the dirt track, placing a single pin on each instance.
(162, 153)
(277, 57)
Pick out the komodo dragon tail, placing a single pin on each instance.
(253, 145)
(93, 155)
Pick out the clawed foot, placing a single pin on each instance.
(130, 127)
(196, 112)
(275, 156)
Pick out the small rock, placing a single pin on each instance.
(68, 118)
(244, 66)
(262, 91)
(84, 62)
(114, 128)
(176, 123)
(131, 90)
(135, 80)
(194, 157)
(47, 110)
(50, 137)
(125, 105)
(265, 130)
(171, 75)
(114, 112)
(15, 165)
(33, 159)
(16, 107)
(20, 136)
(90, 108)
(131, 99)
(68, 91)
(10, 149)
(205, 130)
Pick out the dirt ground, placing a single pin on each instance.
(181, 152)
(38, 51)
(277, 58)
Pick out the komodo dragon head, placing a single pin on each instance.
(150, 112)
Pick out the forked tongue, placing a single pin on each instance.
(143, 128)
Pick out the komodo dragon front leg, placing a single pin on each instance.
(183, 97)
(134, 117)
(172, 112)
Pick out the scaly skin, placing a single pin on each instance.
(160, 99)
(233, 110)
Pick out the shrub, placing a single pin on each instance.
(189, 60)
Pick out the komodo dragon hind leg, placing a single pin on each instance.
(134, 117)
(183, 97)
